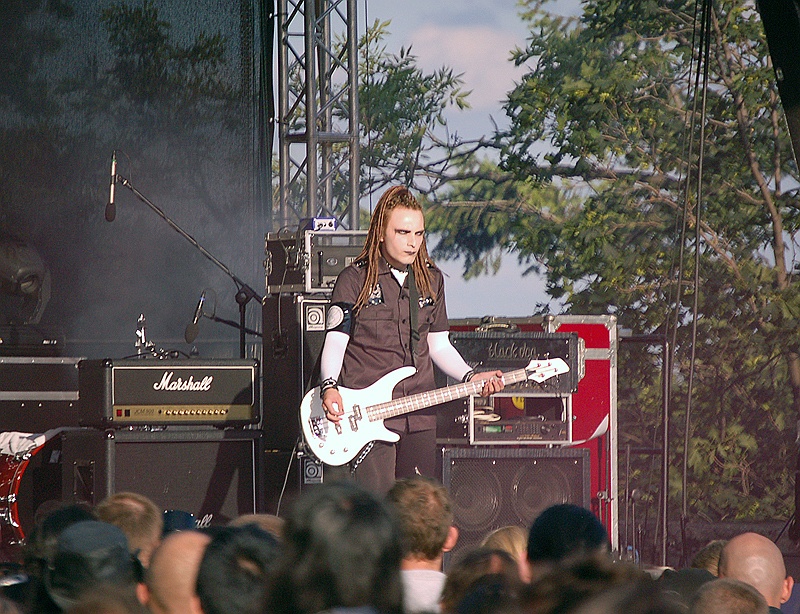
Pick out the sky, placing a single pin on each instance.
(475, 38)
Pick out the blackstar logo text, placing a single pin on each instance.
(180, 384)
(502, 351)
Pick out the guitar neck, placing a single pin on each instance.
(406, 405)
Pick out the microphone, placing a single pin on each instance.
(193, 329)
(111, 208)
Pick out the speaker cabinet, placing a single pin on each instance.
(492, 488)
(294, 331)
(214, 474)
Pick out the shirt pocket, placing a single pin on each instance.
(377, 322)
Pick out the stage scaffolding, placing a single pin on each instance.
(317, 118)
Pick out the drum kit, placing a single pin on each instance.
(20, 501)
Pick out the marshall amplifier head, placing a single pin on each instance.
(153, 392)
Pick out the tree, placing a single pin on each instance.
(610, 97)
(404, 138)
(22, 46)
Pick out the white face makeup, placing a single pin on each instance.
(402, 240)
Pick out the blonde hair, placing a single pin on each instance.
(396, 197)
(511, 539)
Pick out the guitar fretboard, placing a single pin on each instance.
(406, 405)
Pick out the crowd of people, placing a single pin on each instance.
(344, 549)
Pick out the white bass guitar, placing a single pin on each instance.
(365, 409)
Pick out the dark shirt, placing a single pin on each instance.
(379, 339)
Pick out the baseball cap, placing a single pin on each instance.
(87, 554)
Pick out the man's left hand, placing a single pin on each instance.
(493, 382)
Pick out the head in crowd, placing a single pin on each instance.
(268, 522)
(639, 596)
(490, 594)
(139, 518)
(425, 513)
(562, 531)
(234, 571)
(514, 540)
(40, 547)
(480, 570)
(341, 549)
(728, 596)
(41, 543)
(108, 599)
(680, 585)
(8, 607)
(576, 581)
(396, 197)
(708, 556)
(171, 580)
(88, 554)
(756, 560)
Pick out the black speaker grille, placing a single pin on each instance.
(477, 497)
(491, 488)
(212, 479)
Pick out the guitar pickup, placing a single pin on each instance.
(317, 427)
(355, 418)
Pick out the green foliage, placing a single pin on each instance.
(402, 116)
(605, 114)
(22, 47)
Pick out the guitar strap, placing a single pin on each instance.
(413, 309)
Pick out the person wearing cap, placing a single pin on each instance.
(90, 554)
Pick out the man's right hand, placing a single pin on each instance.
(332, 404)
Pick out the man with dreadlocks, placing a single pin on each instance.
(373, 328)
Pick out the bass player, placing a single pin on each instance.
(388, 311)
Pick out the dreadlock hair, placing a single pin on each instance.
(396, 197)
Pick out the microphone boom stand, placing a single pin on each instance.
(244, 293)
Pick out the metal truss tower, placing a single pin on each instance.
(317, 112)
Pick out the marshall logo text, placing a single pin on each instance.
(180, 384)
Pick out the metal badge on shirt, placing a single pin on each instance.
(425, 302)
(376, 297)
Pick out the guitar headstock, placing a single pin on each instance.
(542, 370)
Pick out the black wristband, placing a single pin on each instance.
(327, 384)
(468, 375)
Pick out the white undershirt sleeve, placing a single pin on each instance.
(330, 364)
(445, 356)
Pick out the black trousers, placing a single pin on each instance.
(414, 454)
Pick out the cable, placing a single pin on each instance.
(292, 456)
